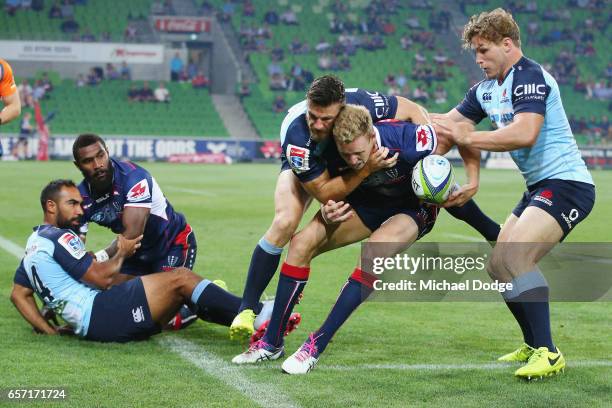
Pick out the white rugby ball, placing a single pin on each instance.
(433, 179)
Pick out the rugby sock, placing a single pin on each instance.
(353, 293)
(216, 305)
(473, 215)
(530, 290)
(291, 283)
(264, 263)
(516, 308)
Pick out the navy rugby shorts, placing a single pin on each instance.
(569, 202)
(121, 314)
(373, 217)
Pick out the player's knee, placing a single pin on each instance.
(283, 227)
(302, 248)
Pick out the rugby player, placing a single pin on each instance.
(383, 208)
(307, 148)
(126, 198)
(80, 288)
(523, 102)
(9, 95)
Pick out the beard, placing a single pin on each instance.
(72, 224)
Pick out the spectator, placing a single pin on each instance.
(69, 26)
(125, 71)
(162, 94)
(93, 78)
(46, 82)
(413, 23)
(131, 33)
(324, 62)
(406, 42)
(274, 68)
(289, 18)
(133, 94)
(112, 73)
(176, 66)
(146, 93)
(192, 69)
(440, 95)
(271, 17)
(420, 94)
(200, 81)
(244, 89)
(80, 82)
(67, 10)
(106, 37)
(322, 46)
(55, 11)
(87, 35)
(248, 9)
(279, 105)
(278, 82)
(25, 94)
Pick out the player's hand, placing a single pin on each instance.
(334, 212)
(461, 195)
(378, 160)
(127, 247)
(459, 133)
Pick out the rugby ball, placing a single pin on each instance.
(433, 179)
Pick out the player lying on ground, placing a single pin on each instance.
(383, 208)
(78, 288)
(305, 139)
(560, 190)
(126, 198)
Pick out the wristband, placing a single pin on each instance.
(101, 256)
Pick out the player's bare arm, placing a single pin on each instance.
(410, 111)
(522, 132)
(325, 188)
(12, 108)
(102, 274)
(23, 299)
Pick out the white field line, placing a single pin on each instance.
(435, 367)
(264, 394)
(191, 191)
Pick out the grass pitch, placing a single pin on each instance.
(388, 354)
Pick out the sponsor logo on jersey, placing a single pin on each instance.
(138, 314)
(104, 197)
(139, 192)
(298, 158)
(545, 196)
(424, 138)
(486, 97)
(381, 107)
(72, 244)
(504, 98)
(530, 89)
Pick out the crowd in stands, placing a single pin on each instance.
(64, 10)
(190, 72)
(161, 94)
(597, 130)
(29, 94)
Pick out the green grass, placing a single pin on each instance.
(228, 218)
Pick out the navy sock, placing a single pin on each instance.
(519, 314)
(264, 263)
(537, 312)
(473, 215)
(291, 283)
(214, 304)
(354, 292)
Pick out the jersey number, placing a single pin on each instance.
(42, 290)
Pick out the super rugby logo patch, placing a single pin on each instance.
(139, 192)
(72, 244)
(298, 158)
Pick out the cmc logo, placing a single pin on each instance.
(529, 89)
(486, 97)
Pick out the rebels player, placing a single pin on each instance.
(383, 208)
(307, 147)
(80, 288)
(523, 102)
(9, 95)
(126, 198)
